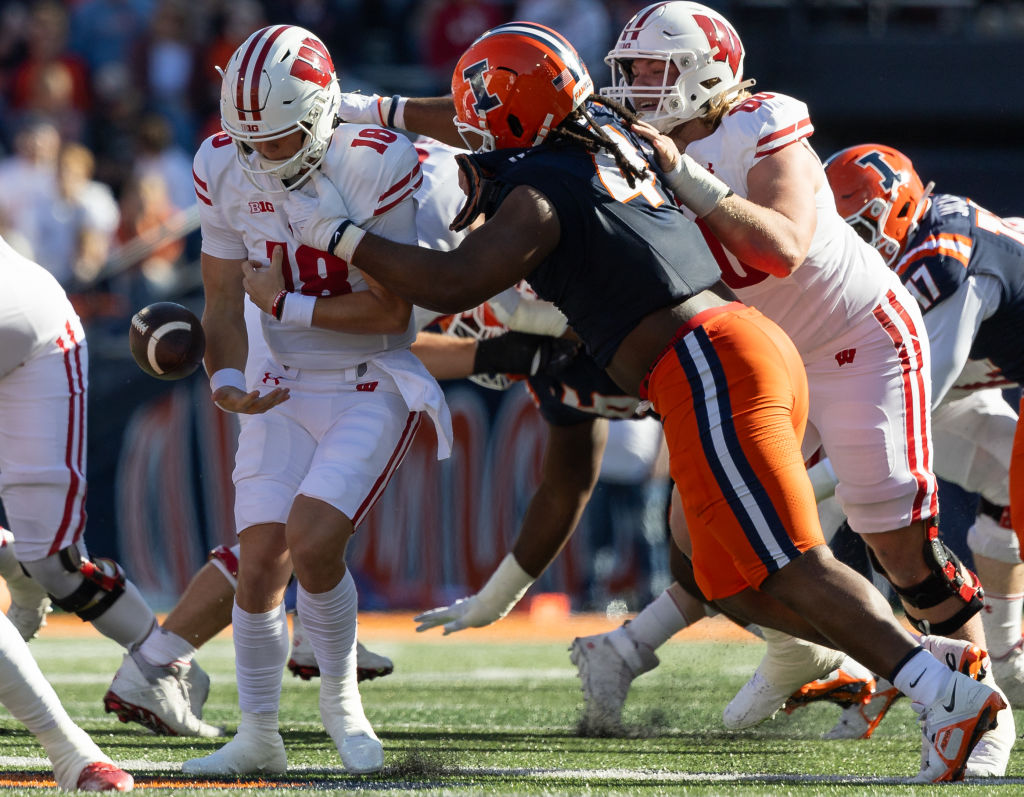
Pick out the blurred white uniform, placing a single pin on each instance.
(858, 330)
(44, 366)
(355, 398)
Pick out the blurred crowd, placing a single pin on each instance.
(103, 103)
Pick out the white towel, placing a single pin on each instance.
(421, 393)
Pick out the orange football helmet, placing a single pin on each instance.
(515, 84)
(879, 194)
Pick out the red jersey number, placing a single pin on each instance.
(735, 273)
(320, 273)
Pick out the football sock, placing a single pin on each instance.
(657, 622)
(1002, 622)
(162, 647)
(261, 650)
(922, 677)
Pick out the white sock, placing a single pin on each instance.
(922, 678)
(657, 622)
(329, 621)
(1001, 620)
(165, 647)
(261, 650)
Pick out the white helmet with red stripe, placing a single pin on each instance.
(279, 81)
(697, 40)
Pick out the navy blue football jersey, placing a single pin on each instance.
(958, 238)
(624, 252)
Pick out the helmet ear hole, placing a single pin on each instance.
(903, 211)
(515, 125)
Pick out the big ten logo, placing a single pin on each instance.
(442, 527)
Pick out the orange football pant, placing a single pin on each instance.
(732, 393)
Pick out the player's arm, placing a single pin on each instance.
(227, 344)
(572, 462)
(428, 116)
(772, 229)
(375, 310)
(952, 325)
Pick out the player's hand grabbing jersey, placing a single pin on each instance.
(375, 170)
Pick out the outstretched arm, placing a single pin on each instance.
(572, 462)
(428, 116)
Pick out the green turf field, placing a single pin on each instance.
(462, 717)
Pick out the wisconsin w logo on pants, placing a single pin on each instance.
(846, 356)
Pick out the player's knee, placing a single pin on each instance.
(947, 580)
(86, 587)
(225, 560)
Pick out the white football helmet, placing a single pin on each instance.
(697, 40)
(279, 81)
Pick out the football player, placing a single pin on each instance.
(965, 267)
(565, 209)
(43, 383)
(344, 393)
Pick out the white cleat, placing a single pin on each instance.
(607, 664)
(244, 755)
(302, 661)
(197, 683)
(1008, 670)
(860, 721)
(991, 755)
(370, 665)
(952, 725)
(360, 750)
(787, 665)
(157, 698)
(29, 602)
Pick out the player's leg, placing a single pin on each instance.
(733, 398)
(345, 480)
(77, 762)
(29, 602)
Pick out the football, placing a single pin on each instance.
(167, 340)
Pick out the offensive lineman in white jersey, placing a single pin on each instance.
(347, 394)
(782, 247)
(43, 367)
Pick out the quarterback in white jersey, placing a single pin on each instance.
(347, 394)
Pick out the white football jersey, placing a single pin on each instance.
(375, 170)
(842, 279)
(34, 310)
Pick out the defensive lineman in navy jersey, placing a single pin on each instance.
(965, 267)
(728, 384)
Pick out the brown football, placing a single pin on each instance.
(167, 340)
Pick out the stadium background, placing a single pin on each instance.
(938, 79)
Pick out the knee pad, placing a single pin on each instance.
(992, 536)
(78, 585)
(945, 581)
(226, 561)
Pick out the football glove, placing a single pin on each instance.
(498, 596)
(523, 354)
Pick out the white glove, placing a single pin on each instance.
(360, 108)
(496, 599)
(315, 220)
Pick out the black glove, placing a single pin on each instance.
(523, 354)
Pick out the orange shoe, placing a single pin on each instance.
(839, 687)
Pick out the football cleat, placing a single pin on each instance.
(607, 664)
(302, 662)
(360, 750)
(246, 754)
(156, 697)
(952, 725)
(197, 682)
(788, 663)
(860, 720)
(1008, 670)
(958, 654)
(849, 685)
(370, 665)
(101, 776)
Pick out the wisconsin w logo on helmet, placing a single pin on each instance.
(313, 63)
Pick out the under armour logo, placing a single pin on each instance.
(846, 356)
(267, 378)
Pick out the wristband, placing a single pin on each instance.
(227, 377)
(695, 186)
(278, 305)
(391, 110)
(506, 586)
(298, 310)
(345, 240)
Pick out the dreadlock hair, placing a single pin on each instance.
(592, 138)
